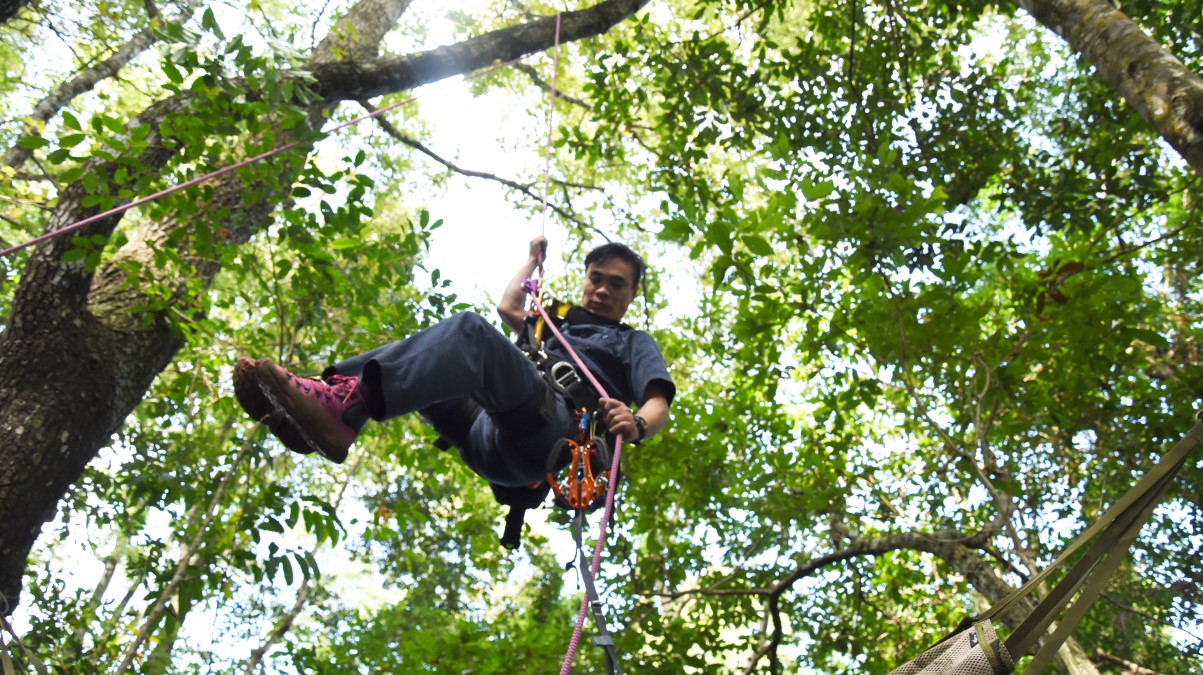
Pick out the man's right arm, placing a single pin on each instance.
(512, 307)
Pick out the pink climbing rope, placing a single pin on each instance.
(532, 287)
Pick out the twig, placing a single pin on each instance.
(1133, 248)
(289, 619)
(33, 659)
(523, 188)
(762, 650)
(542, 84)
(87, 80)
(945, 545)
(185, 562)
(1147, 617)
(110, 568)
(1186, 186)
(1001, 499)
(1129, 667)
(740, 19)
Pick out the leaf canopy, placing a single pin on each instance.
(927, 285)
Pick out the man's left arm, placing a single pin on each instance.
(620, 419)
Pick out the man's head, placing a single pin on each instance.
(612, 275)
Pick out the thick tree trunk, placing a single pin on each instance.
(74, 358)
(1153, 81)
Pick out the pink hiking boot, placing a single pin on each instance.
(306, 414)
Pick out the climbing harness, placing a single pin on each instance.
(560, 374)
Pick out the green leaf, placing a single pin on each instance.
(294, 514)
(32, 142)
(1149, 337)
(813, 192)
(735, 183)
(344, 243)
(113, 124)
(209, 23)
(758, 245)
(886, 154)
(719, 234)
(70, 140)
(173, 74)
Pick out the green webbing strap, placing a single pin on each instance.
(1105, 553)
(1098, 580)
(1118, 527)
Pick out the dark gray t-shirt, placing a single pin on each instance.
(623, 359)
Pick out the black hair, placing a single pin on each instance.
(614, 250)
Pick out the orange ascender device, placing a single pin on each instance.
(587, 472)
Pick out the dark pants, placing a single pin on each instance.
(476, 388)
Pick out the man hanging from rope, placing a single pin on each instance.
(478, 389)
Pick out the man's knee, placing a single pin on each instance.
(467, 322)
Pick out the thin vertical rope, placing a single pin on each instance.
(532, 286)
(551, 110)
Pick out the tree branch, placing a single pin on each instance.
(358, 80)
(1151, 79)
(1006, 505)
(545, 86)
(1129, 667)
(523, 188)
(954, 548)
(287, 621)
(186, 554)
(84, 82)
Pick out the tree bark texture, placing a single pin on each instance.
(1152, 80)
(75, 359)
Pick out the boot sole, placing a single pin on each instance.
(257, 393)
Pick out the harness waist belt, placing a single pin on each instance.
(564, 378)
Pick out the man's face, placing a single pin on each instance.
(609, 290)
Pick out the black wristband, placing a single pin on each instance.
(641, 425)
